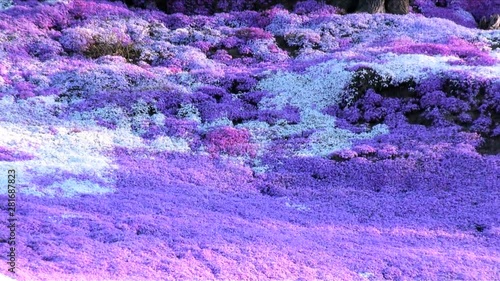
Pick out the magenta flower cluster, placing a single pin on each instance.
(230, 141)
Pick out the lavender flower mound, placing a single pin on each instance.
(250, 140)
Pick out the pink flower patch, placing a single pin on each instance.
(387, 151)
(343, 155)
(365, 149)
(231, 141)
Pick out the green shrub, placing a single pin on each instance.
(103, 48)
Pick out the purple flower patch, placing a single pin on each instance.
(11, 155)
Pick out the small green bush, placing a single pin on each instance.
(102, 48)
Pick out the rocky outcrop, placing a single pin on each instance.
(371, 6)
(377, 6)
(399, 7)
(492, 22)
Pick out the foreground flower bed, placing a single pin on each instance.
(277, 144)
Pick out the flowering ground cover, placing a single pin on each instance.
(295, 142)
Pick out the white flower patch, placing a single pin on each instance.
(185, 80)
(404, 67)
(123, 137)
(5, 4)
(196, 60)
(72, 187)
(412, 25)
(328, 42)
(309, 54)
(324, 142)
(158, 119)
(367, 275)
(491, 36)
(260, 133)
(258, 129)
(155, 53)
(114, 30)
(260, 49)
(115, 77)
(165, 143)
(365, 29)
(6, 278)
(401, 68)
(31, 111)
(298, 207)
(137, 29)
(325, 84)
(77, 146)
(77, 39)
(110, 113)
(141, 119)
(72, 150)
(207, 34)
(181, 36)
(496, 54)
(78, 150)
(283, 21)
(321, 85)
(158, 31)
(189, 111)
(318, 87)
(258, 167)
(219, 122)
